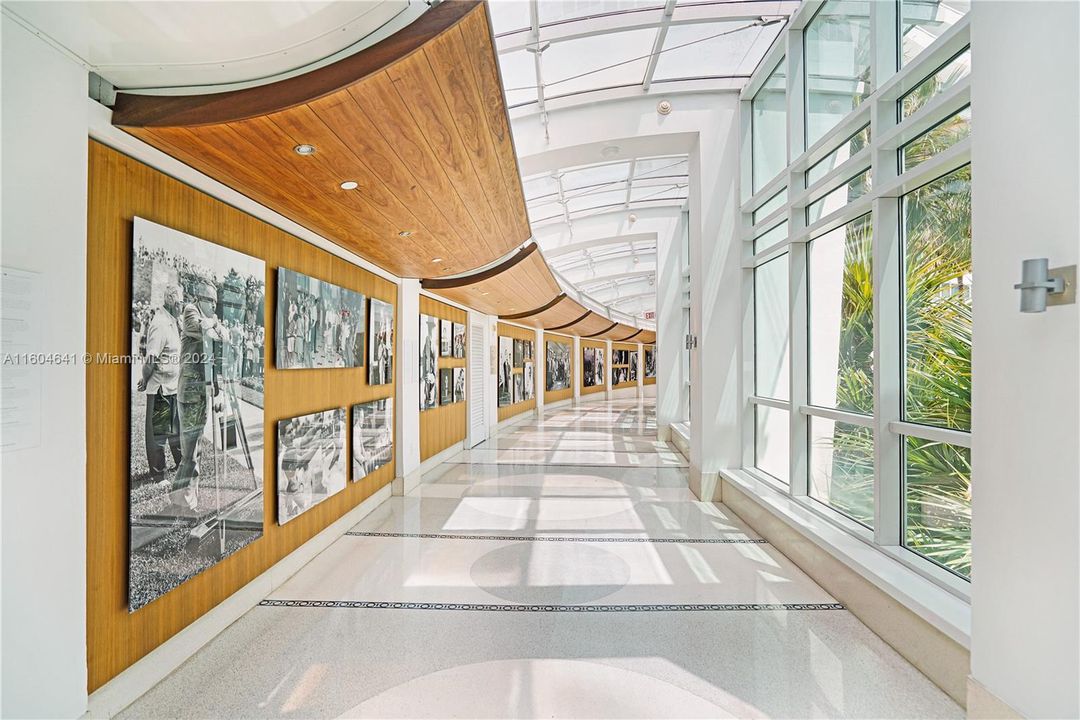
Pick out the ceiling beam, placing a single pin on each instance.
(643, 238)
(600, 279)
(547, 306)
(490, 272)
(575, 322)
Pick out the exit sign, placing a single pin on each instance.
(649, 315)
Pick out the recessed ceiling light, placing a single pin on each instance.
(305, 149)
(405, 233)
(436, 260)
(350, 185)
(610, 151)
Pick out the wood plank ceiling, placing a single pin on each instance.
(418, 122)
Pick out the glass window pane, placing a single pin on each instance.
(509, 15)
(951, 73)
(853, 189)
(771, 444)
(588, 201)
(923, 21)
(837, 67)
(612, 60)
(840, 294)
(937, 281)
(937, 139)
(771, 328)
(540, 186)
(674, 191)
(842, 468)
(595, 175)
(519, 77)
(769, 206)
(769, 128)
(661, 167)
(553, 11)
(770, 237)
(839, 156)
(707, 50)
(937, 502)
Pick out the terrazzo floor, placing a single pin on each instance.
(560, 569)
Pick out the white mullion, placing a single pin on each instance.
(747, 418)
(834, 178)
(938, 109)
(888, 327)
(770, 253)
(796, 97)
(844, 416)
(837, 218)
(798, 424)
(929, 432)
(770, 402)
(658, 45)
(947, 46)
(943, 163)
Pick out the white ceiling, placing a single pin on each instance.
(176, 43)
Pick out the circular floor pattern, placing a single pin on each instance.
(555, 573)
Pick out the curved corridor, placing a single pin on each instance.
(560, 569)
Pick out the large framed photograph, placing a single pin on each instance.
(519, 352)
(446, 337)
(459, 384)
(650, 362)
(556, 365)
(319, 325)
(311, 461)
(598, 378)
(429, 372)
(198, 342)
(381, 343)
(459, 340)
(506, 368)
(529, 380)
(633, 365)
(446, 386)
(588, 366)
(528, 350)
(372, 436)
(519, 389)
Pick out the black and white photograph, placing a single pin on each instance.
(459, 384)
(459, 340)
(311, 461)
(588, 366)
(619, 375)
(196, 455)
(381, 343)
(519, 352)
(446, 386)
(446, 337)
(598, 378)
(506, 368)
(429, 372)
(319, 325)
(519, 389)
(556, 365)
(372, 436)
(528, 353)
(650, 362)
(633, 365)
(529, 380)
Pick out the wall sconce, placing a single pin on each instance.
(1040, 285)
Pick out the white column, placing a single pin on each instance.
(640, 370)
(44, 486)
(670, 333)
(407, 402)
(493, 375)
(539, 368)
(575, 362)
(1025, 424)
(715, 304)
(607, 369)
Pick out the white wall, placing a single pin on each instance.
(407, 405)
(43, 489)
(1026, 371)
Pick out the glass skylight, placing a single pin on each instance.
(717, 49)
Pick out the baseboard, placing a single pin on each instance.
(407, 484)
(705, 485)
(519, 418)
(679, 439)
(557, 404)
(936, 655)
(115, 695)
(621, 393)
(985, 705)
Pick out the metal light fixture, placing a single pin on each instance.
(304, 149)
(350, 185)
(1040, 285)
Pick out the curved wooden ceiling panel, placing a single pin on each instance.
(618, 332)
(565, 312)
(592, 326)
(648, 337)
(521, 284)
(417, 121)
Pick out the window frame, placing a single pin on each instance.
(888, 133)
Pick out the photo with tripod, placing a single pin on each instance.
(197, 360)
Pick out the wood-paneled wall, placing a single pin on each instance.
(646, 380)
(513, 331)
(442, 426)
(632, 347)
(119, 189)
(607, 366)
(553, 396)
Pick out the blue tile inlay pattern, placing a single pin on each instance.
(561, 538)
(490, 607)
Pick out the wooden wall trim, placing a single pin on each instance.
(442, 283)
(133, 110)
(547, 306)
(575, 322)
